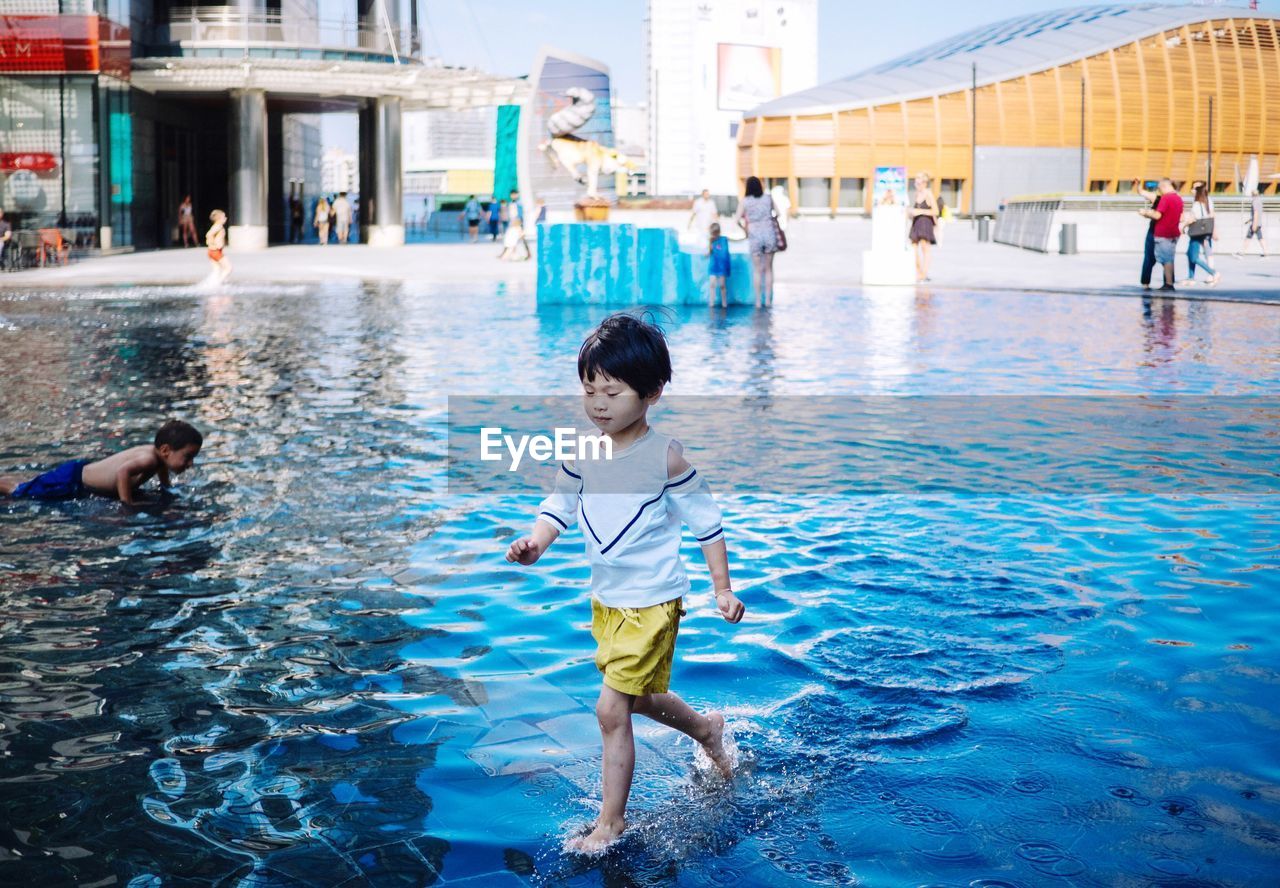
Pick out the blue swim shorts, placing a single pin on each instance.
(64, 482)
(1165, 248)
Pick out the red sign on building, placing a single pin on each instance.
(36, 161)
(60, 44)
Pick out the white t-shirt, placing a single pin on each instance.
(704, 213)
(631, 515)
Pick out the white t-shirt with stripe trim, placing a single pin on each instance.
(631, 515)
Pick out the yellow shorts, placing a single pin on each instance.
(635, 646)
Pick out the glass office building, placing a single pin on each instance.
(111, 111)
(65, 146)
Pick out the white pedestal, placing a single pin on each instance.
(247, 238)
(896, 268)
(386, 235)
(889, 262)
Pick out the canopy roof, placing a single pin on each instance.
(420, 86)
(1002, 51)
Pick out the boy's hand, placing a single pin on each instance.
(524, 551)
(730, 607)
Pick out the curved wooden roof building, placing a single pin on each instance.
(1147, 71)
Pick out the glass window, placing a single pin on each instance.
(950, 191)
(1219, 187)
(815, 193)
(50, 151)
(1099, 186)
(853, 193)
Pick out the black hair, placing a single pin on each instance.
(627, 348)
(754, 188)
(178, 434)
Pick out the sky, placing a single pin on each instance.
(503, 36)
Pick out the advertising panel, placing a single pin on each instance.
(747, 76)
(890, 186)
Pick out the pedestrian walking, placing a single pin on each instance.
(341, 211)
(295, 219)
(187, 223)
(703, 215)
(1198, 219)
(495, 216)
(924, 216)
(1149, 247)
(471, 213)
(758, 218)
(1167, 216)
(6, 235)
(1254, 228)
(321, 220)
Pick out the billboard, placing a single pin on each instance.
(890, 186)
(747, 76)
(567, 151)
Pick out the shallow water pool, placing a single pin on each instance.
(310, 665)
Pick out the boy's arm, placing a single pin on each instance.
(162, 473)
(124, 476)
(691, 499)
(557, 513)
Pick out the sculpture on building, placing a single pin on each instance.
(583, 159)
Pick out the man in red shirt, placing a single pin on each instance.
(1168, 228)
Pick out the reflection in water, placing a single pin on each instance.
(309, 665)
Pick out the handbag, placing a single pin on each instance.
(778, 234)
(1201, 227)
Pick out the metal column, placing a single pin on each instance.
(247, 212)
(386, 214)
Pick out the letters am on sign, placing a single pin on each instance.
(52, 44)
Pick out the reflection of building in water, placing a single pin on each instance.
(890, 339)
(708, 63)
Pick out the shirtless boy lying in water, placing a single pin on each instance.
(119, 475)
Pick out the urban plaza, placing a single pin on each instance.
(647, 443)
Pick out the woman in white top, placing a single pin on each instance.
(1199, 242)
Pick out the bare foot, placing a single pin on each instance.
(715, 746)
(600, 838)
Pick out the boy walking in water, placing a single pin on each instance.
(632, 506)
(216, 242)
(120, 475)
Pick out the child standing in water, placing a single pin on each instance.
(719, 266)
(216, 241)
(632, 506)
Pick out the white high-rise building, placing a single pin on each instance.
(709, 61)
(339, 171)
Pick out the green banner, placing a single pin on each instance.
(505, 177)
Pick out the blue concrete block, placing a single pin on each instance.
(591, 263)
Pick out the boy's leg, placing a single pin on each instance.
(613, 712)
(9, 483)
(707, 730)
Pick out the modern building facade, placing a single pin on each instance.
(112, 110)
(1081, 99)
(708, 62)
